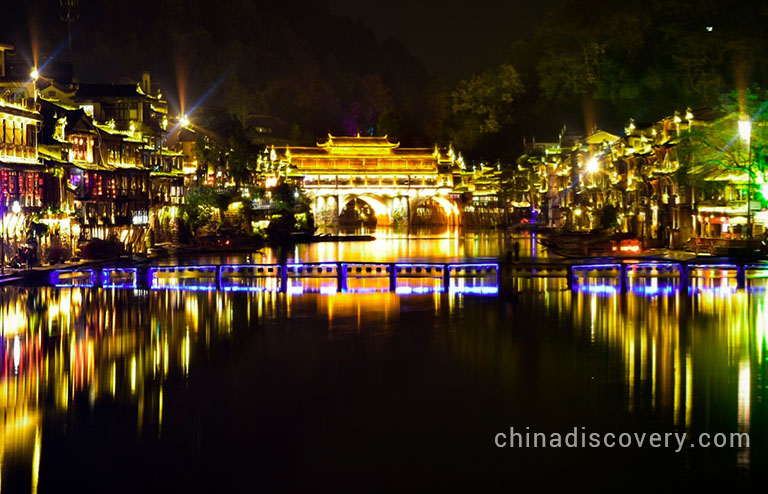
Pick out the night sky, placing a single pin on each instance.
(451, 37)
(425, 71)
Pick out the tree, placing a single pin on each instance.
(719, 151)
(644, 58)
(198, 208)
(482, 104)
(609, 218)
(223, 145)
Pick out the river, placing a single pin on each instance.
(167, 390)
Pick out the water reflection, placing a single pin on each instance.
(431, 245)
(694, 361)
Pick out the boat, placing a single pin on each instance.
(595, 243)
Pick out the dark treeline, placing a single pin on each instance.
(589, 64)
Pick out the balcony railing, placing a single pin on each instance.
(17, 151)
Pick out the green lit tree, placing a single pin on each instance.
(198, 208)
(731, 148)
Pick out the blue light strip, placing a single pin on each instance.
(296, 289)
(477, 266)
(235, 288)
(366, 289)
(719, 290)
(652, 265)
(106, 276)
(182, 269)
(714, 266)
(655, 290)
(588, 267)
(408, 290)
(55, 278)
(420, 264)
(600, 289)
(185, 288)
(474, 290)
(311, 265)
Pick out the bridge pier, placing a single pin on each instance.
(283, 277)
(741, 276)
(624, 277)
(341, 278)
(685, 276)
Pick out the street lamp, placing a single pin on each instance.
(745, 132)
(592, 165)
(34, 75)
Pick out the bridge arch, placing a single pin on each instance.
(377, 204)
(447, 206)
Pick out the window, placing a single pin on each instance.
(32, 135)
(80, 147)
(126, 111)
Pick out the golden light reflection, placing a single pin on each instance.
(434, 244)
(684, 357)
(675, 356)
(80, 343)
(695, 361)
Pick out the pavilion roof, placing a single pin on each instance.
(357, 141)
(602, 136)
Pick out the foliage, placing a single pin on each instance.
(647, 57)
(38, 229)
(101, 249)
(482, 104)
(223, 145)
(717, 151)
(609, 218)
(284, 198)
(293, 213)
(398, 218)
(198, 208)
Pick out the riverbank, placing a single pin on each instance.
(385, 247)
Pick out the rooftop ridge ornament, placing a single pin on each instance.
(630, 127)
(358, 143)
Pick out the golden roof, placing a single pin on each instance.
(361, 155)
(357, 142)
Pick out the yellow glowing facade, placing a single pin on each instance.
(18, 133)
(392, 180)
